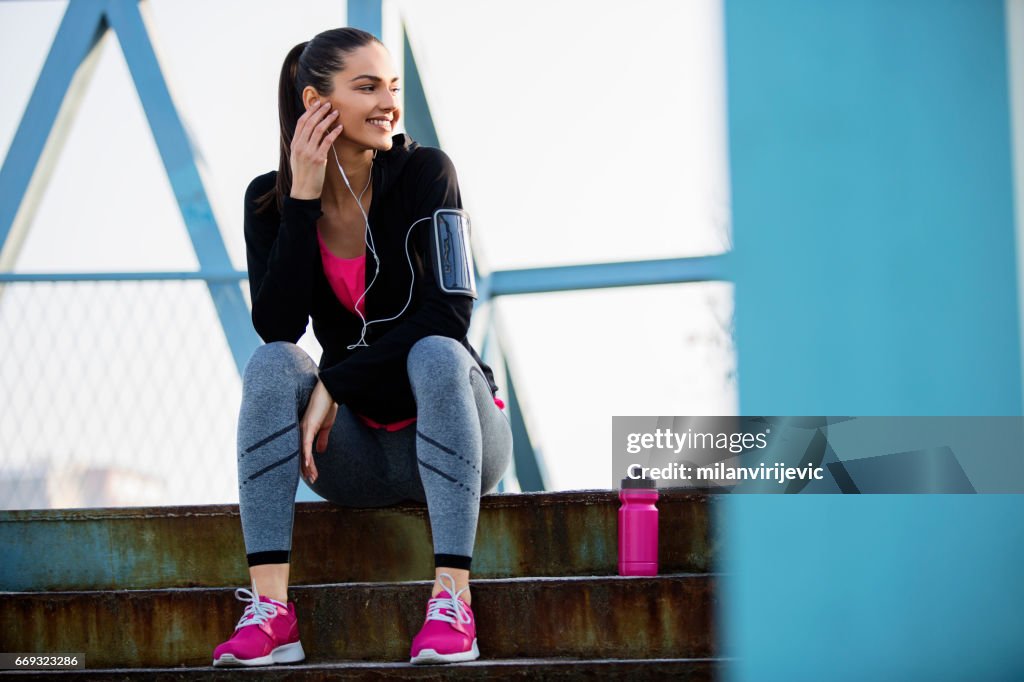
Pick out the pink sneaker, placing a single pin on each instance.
(448, 634)
(267, 633)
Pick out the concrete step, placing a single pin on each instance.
(539, 534)
(520, 669)
(666, 616)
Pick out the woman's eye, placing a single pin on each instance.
(370, 88)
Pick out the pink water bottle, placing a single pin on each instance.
(638, 528)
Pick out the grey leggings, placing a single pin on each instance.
(457, 450)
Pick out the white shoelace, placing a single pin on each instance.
(257, 612)
(452, 603)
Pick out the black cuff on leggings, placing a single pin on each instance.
(452, 561)
(260, 558)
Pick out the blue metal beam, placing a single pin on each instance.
(172, 141)
(43, 127)
(418, 119)
(180, 163)
(208, 275)
(529, 469)
(603, 275)
(499, 283)
(367, 15)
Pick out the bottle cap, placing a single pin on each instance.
(633, 483)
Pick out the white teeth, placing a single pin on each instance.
(382, 123)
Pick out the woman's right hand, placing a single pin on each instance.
(310, 145)
(318, 418)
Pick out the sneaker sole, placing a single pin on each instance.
(427, 656)
(286, 653)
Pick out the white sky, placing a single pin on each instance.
(580, 135)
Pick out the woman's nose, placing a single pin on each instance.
(389, 101)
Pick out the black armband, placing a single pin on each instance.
(452, 251)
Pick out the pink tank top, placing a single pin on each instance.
(346, 277)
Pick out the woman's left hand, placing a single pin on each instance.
(319, 416)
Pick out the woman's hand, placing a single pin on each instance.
(310, 145)
(316, 423)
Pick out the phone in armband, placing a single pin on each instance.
(450, 243)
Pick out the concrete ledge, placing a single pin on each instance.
(584, 617)
(546, 534)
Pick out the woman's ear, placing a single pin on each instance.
(310, 97)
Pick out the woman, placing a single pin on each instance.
(348, 232)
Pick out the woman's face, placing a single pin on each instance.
(366, 97)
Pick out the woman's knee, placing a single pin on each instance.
(278, 359)
(436, 357)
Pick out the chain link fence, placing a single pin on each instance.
(115, 393)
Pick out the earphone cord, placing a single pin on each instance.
(412, 275)
(368, 240)
(359, 200)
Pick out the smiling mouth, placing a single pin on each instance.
(381, 123)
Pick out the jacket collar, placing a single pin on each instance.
(387, 166)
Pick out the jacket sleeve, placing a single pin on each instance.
(436, 186)
(280, 254)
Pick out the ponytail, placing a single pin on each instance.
(289, 109)
(310, 63)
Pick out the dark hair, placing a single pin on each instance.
(311, 63)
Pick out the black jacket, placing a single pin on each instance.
(288, 285)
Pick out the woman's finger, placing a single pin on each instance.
(321, 127)
(303, 470)
(329, 139)
(304, 128)
(316, 141)
(307, 453)
(325, 428)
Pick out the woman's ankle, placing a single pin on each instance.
(271, 581)
(459, 576)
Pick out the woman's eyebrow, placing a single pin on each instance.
(375, 79)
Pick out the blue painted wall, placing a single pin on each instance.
(875, 275)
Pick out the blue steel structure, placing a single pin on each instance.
(37, 142)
